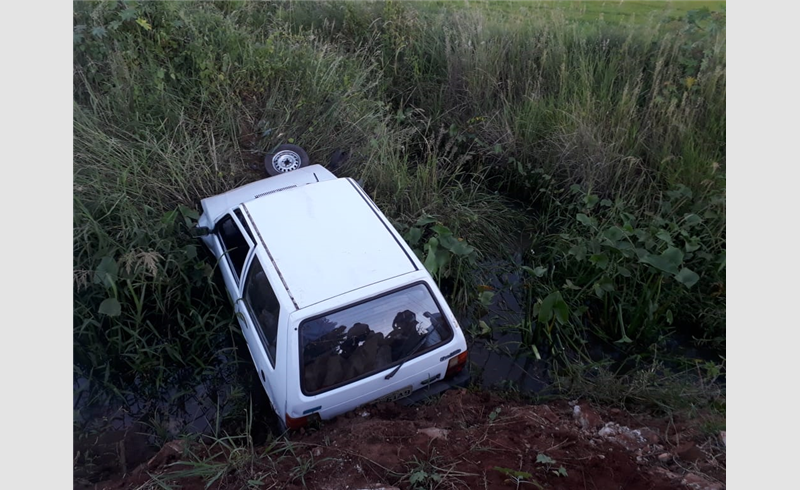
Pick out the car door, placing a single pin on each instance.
(232, 247)
(260, 312)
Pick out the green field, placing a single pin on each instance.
(592, 132)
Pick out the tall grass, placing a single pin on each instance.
(484, 123)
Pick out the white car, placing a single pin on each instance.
(336, 309)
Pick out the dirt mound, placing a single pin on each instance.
(468, 440)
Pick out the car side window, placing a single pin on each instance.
(240, 217)
(264, 306)
(234, 243)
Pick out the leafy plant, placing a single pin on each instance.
(548, 463)
(518, 477)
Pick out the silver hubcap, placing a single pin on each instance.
(286, 161)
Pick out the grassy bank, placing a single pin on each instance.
(603, 141)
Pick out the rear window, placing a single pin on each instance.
(360, 340)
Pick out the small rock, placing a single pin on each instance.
(697, 482)
(689, 452)
(586, 417)
(434, 433)
(666, 472)
(664, 457)
(316, 452)
(650, 435)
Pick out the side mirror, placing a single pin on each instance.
(199, 231)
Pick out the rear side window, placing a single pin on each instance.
(363, 339)
(264, 306)
(234, 243)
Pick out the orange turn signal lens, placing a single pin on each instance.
(455, 365)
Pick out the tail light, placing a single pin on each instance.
(455, 365)
(293, 423)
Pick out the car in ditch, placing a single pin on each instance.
(336, 309)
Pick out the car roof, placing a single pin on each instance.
(327, 239)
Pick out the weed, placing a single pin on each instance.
(549, 464)
(430, 473)
(518, 477)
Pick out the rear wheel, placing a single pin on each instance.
(285, 159)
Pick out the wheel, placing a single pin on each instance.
(285, 159)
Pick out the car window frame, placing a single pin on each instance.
(246, 234)
(328, 389)
(251, 312)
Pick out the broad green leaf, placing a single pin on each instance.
(425, 220)
(585, 219)
(106, 272)
(539, 271)
(485, 298)
(668, 261)
(561, 310)
(591, 200)
(110, 307)
(669, 317)
(599, 260)
(413, 235)
(190, 251)
(189, 212)
(436, 260)
(441, 230)
(546, 308)
(624, 272)
(417, 477)
(664, 236)
(614, 233)
(692, 219)
(544, 459)
(687, 277)
(692, 245)
(455, 245)
(579, 251)
(606, 283)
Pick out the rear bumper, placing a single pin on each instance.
(460, 380)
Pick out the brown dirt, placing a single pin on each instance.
(462, 439)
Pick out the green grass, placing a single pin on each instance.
(604, 140)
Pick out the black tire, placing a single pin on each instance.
(285, 159)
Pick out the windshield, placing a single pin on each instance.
(366, 338)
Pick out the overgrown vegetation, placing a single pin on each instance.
(603, 141)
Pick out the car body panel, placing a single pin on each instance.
(329, 249)
(216, 206)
